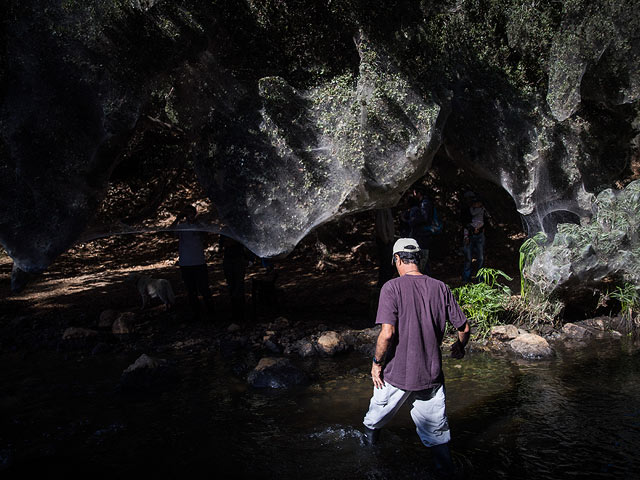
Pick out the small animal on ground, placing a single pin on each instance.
(153, 288)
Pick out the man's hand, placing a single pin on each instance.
(457, 350)
(376, 375)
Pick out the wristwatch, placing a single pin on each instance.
(376, 361)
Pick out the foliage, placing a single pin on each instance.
(533, 311)
(504, 38)
(490, 277)
(582, 255)
(528, 251)
(534, 315)
(484, 302)
(629, 299)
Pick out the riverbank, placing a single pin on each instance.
(321, 303)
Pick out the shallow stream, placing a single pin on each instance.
(575, 416)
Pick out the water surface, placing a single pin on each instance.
(575, 416)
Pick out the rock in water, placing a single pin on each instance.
(124, 324)
(274, 372)
(303, 347)
(504, 332)
(144, 361)
(331, 343)
(530, 345)
(147, 373)
(234, 327)
(576, 332)
(78, 338)
(107, 317)
(78, 333)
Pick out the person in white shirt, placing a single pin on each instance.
(193, 265)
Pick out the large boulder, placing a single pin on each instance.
(594, 47)
(582, 258)
(293, 158)
(109, 100)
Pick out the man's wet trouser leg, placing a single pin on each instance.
(428, 411)
(371, 435)
(384, 404)
(442, 459)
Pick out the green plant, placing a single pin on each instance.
(484, 302)
(533, 309)
(529, 249)
(629, 299)
(490, 277)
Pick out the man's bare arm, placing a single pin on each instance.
(457, 349)
(382, 347)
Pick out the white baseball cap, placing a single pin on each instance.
(408, 245)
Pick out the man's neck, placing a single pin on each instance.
(408, 269)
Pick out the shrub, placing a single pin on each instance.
(484, 302)
(528, 251)
(629, 300)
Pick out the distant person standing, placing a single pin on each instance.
(473, 219)
(423, 223)
(407, 367)
(193, 265)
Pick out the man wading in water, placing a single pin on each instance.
(413, 310)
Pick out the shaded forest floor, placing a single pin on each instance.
(329, 279)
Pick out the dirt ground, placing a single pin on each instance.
(87, 280)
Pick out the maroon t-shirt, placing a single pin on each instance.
(419, 307)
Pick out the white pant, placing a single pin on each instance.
(427, 411)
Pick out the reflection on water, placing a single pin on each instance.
(574, 416)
